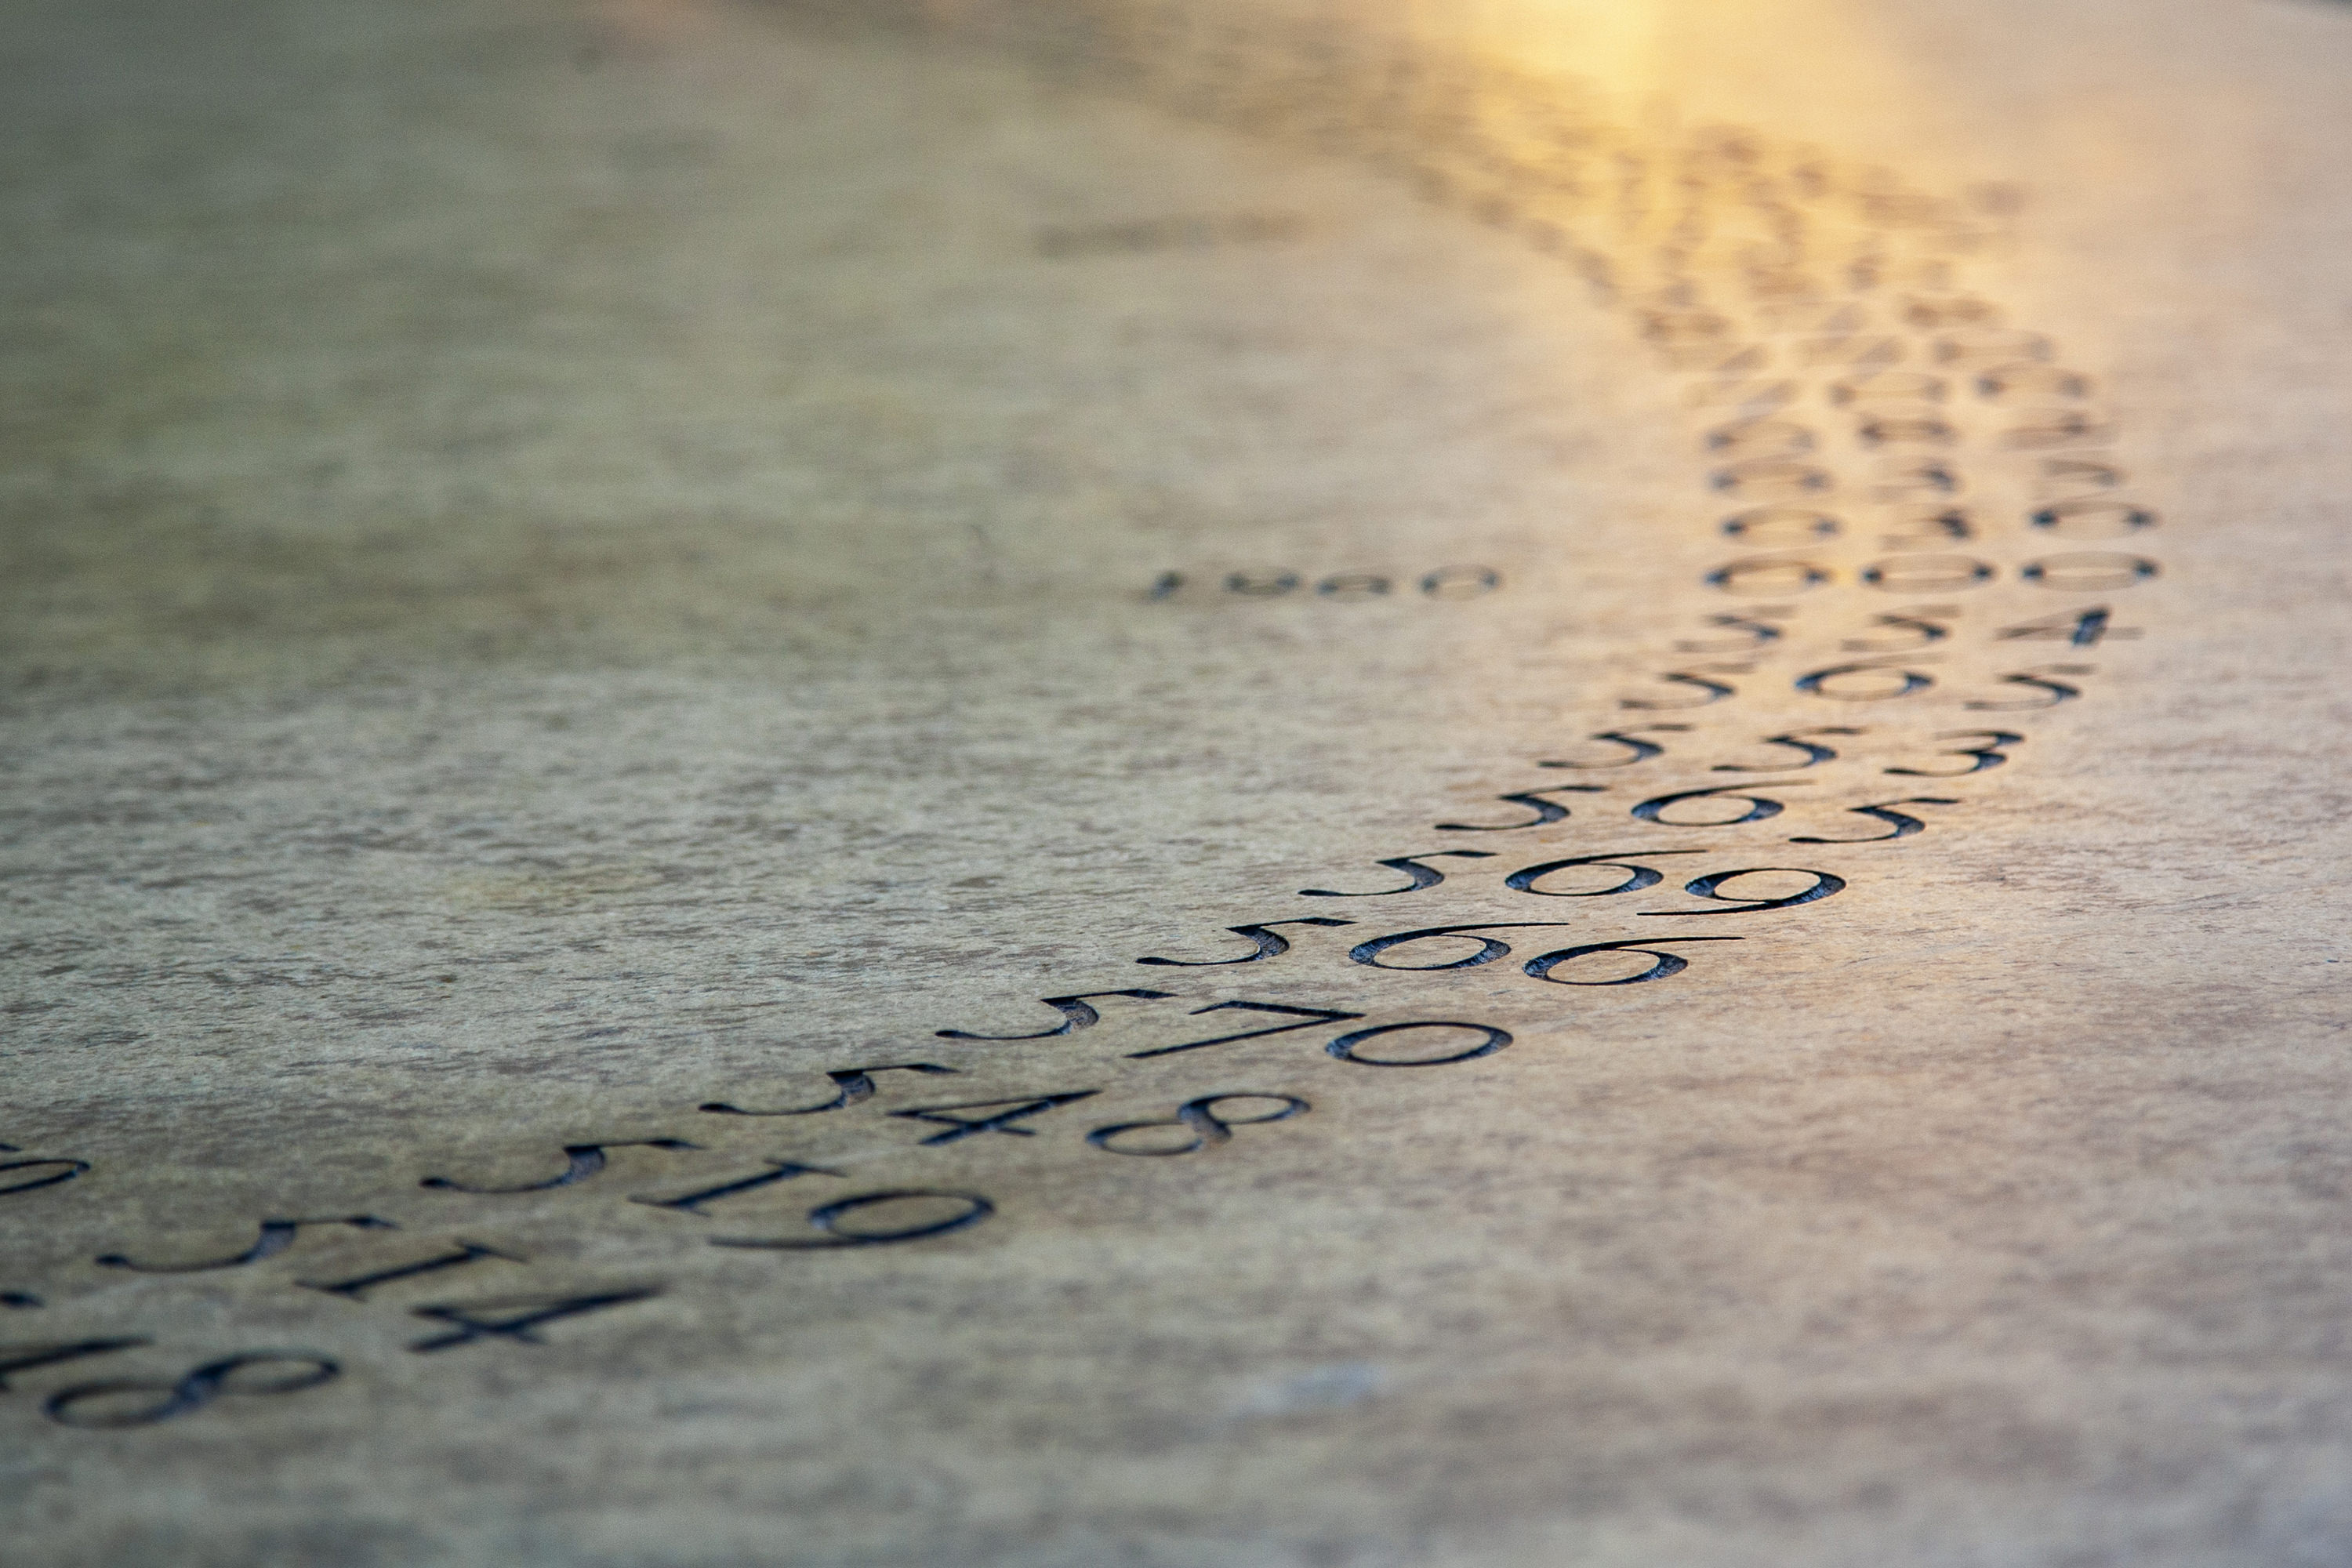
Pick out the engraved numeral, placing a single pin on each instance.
(1200, 1121)
(96, 1405)
(1076, 1013)
(1263, 941)
(517, 1317)
(276, 1235)
(1018, 1108)
(851, 1085)
(843, 1222)
(581, 1161)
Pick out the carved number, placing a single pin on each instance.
(1902, 823)
(1312, 1015)
(1864, 680)
(1419, 875)
(1636, 750)
(1668, 962)
(1490, 949)
(50, 1173)
(851, 1085)
(276, 1235)
(1074, 1011)
(1348, 1048)
(2038, 680)
(1546, 811)
(831, 1220)
(1201, 1122)
(1989, 755)
(1813, 755)
(1760, 807)
(581, 1161)
(1003, 1114)
(1264, 943)
(1824, 885)
(515, 1318)
(1525, 881)
(98, 1404)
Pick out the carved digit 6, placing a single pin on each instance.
(189, 1393)
(1525, 881)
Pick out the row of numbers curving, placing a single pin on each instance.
(1925, 535)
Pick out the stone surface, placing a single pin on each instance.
(567, 564)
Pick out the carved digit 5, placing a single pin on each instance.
(1668, 962)
(1546, 811)
(1076, 1015)
(1902, 823)
(1637, 751)
(1525, 881)
(1760, 807)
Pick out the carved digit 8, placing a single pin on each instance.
(1198, 1116)
(189, 1393)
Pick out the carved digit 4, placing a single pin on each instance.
(581, 1161)
(1003, 1114)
